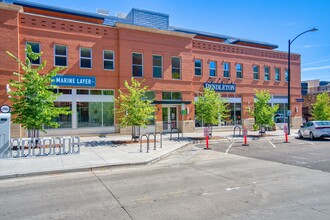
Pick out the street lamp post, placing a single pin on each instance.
(289, 74)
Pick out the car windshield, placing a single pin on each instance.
(322, 123)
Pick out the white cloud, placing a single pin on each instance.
(316, 68)
(319, 61)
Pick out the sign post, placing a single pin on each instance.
(206, 134)
(245, 133)
(286, 131)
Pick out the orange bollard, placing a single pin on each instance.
(207, 142)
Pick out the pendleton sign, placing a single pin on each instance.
(219, 87)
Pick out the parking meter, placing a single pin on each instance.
(4, 133)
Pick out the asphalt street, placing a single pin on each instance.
(192, 183)
(314, 154)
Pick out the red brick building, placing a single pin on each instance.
(102, 51)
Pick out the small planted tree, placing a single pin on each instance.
(210, 107)
(32, 95)
(321, 108)
(262, 111)
(134, 108)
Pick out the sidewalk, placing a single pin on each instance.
(97, 152)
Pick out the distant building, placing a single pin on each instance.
(309, 90)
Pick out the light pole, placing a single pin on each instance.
(289, 74)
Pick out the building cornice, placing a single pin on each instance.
(153, 30)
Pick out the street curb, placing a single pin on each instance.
(92, 168)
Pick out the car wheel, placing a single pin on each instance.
(311, 136)
(299, 135)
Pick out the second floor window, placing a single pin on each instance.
(61, 55)
(171, 96)
(267, 73)
(255, 72)
(137, 64)
(213, 68)
(157, 66)
(86, 58)
(198, 67)
(226, 72)
(176, 68)
(239, 71)
(277, 74)
(108, 60)
(286, 75)
(36, 49)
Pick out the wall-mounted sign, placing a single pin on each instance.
(220, 87)
(5, 109)
(81, 81)
(299, 100)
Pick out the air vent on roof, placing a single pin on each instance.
(121, 15)
(102, 11)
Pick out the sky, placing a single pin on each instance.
(272, 21)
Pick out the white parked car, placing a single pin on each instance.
(315, 129)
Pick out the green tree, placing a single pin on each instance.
(32, 95)
(321, 108)
(134, 108)
(262, 110)
(210, 107)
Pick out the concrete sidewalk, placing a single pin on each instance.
(97, 152)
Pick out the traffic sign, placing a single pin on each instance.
(5, 109)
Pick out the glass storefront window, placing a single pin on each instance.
(64, 121)
(280, 115)
(235, 114)
(95, 114)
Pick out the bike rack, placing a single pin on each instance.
(239, 131)
(141, 137)
(178, 133)
(161, 138)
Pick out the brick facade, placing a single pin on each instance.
(48, 29)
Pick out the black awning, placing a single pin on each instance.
(178, 102)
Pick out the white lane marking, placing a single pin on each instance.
(229, 147)
(310, 142)
(272, 144)
(232, 188)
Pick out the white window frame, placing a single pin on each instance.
(268, 73)
(254, 72)
(112, 60)
(198, 68)
(157, 66)
(138, 65)
(26, 43)
(215, 69)
(279, 74)
(179, 67)
(66, 52)
(238, 72)
(224, 70)
(87, 58)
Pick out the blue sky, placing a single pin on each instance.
(273, 21)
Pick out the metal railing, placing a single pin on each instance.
(147, 135)
(29, 147)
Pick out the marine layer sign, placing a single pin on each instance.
(81, 81)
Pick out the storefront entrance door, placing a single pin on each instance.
(170, 119)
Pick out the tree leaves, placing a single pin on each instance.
(133, 106)
(321, 108)
(210, 107)
(32, 94)
(262, 110)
